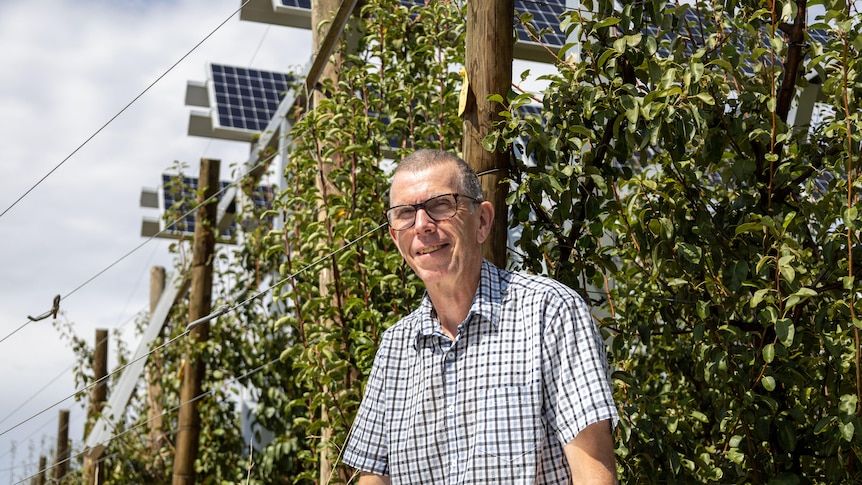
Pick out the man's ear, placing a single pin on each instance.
(486, 218)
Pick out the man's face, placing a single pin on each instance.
(446, 252)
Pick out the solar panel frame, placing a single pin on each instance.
(262, 197)
(245, 99)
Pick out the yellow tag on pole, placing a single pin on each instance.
(465, 88)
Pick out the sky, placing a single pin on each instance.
(66, 68)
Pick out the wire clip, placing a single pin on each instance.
(50, 313)
(217, 313)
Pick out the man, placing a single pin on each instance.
(497, 377)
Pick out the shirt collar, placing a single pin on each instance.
(486, 302)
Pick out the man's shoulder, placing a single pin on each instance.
(537, 284)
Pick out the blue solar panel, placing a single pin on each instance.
(818, 35)
(531, 109)
(181, 200)
(247, 99)
(546, 16)
(689, 35)
(302, 4)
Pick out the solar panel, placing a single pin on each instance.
(819, 35)
(298, 4)
(306, 4)
(546, 16)
(181, 198)
(246, 99)
(689, 35)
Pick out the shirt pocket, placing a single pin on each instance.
(508, 427)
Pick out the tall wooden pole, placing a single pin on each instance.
(200, 305)
(155, 408)
(490, 43)
(39, 478)
(61, 463)
(322, 14)
(98, 395)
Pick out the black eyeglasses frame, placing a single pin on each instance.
(421, 205)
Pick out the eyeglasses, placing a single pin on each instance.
(439, 208)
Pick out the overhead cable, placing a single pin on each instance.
(151, 419)
(181, 59)
(137, 248)
(214, 314)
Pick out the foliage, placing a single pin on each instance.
(341, 280)
(668, 184)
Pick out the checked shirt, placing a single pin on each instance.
(526, 372)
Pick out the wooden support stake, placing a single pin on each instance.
(61, 463)
(200, 304)
(490, 43)
(154, 373)
(98, 395)
(39, 477)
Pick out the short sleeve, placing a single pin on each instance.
(367, 448)
(575, 370)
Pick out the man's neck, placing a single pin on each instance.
(452, 303)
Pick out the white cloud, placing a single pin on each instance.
(67, 67)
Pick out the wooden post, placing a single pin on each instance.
(39, 478)
(98, 395)
(155, 408)
(200, 304)
(61, 463)
(322, 14)
(490, 42)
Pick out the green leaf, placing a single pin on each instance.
(690, 252)
(749, 227)
(758, 296)
(785, 330)
(768, 353)
(847, 429)
(699, 416)
(786, 269)
(489, 143)
(706, 98)
(768, 383)
(847, 404)
(823, 423)
(851, 216)
(672, 423)
(606, 22)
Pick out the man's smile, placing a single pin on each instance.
(430, 249)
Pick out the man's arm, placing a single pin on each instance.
(371, 479)
(591, 455)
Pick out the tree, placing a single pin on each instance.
(667, 184)
(396, 90)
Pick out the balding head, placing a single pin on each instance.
(424, 159)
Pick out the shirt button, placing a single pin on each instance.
(450, 356)
(450, 410)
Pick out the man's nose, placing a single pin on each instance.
(424, 222)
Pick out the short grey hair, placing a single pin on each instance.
(427, 158)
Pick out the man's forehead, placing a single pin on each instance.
(425, 182)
